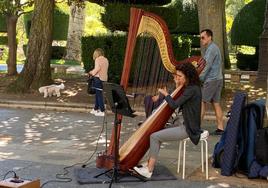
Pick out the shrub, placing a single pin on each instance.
(247, 61)
(60, 24)
(187, 19)
(116, 16)
(3, 25)
(248, 24)
(114, 47)
(3, 40)
(58, 52)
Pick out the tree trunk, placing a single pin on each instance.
(12, 45)
(75, 32)
(263, 54)
(211, 14)
(36, 71)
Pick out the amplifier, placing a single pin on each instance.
(19, 183)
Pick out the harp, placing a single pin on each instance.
(131, 152)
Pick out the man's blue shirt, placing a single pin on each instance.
(213, 68)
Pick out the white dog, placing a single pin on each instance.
(51, 90)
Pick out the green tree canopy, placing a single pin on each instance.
(60, 24)
(248, 24)
(3, 25)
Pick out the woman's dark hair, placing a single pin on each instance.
(190, 73)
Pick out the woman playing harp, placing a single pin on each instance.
(131, 151)
(190, 104)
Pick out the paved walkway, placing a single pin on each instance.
(39, 143)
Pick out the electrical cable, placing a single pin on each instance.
(84, 164)
(11, 171)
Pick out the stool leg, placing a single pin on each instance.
(183, 160)
(206, 143)
(179, 157)
(202, 156)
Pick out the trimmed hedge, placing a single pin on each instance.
(187, 19)
(247, 61)
(248, 24)
(58, 52)
(3, 25)
(114, 47)
(116, 16)
(3, 40)
(60, 24)
(179, 18)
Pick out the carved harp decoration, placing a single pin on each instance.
(131, 152)
(151, 26)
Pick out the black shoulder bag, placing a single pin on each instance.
(90, 86)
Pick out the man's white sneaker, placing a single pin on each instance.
(93, 111)
(99, 114)
(143, 171)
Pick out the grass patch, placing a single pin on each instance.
(64, 62)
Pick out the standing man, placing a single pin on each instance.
(212, 78)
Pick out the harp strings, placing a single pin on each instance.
(148, 70)
(147, 75)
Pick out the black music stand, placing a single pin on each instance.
(119, 104)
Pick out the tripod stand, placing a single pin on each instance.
(119, 104)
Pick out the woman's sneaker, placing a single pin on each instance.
(99, 113)
(143, 171)
(93, 111)
(143, 164)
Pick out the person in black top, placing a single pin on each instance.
(186, 77)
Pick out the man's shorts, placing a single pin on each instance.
(211, 91)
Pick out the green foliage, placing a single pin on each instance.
(60, 24)
(114, 47)
(58, 52)
(116, 16)
(247, 61)
(3, 40)
(3, 25)
(187, 18)
(248, 24)
(14, 7)
(93, 24)
(234, 6)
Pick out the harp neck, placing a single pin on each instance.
(145, 22)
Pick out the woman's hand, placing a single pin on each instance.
(163, 91)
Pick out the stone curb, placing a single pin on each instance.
(70, 107)
(42, 105)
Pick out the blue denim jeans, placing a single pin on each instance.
(99, 102)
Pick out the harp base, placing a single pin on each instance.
(107, 162)
(104, 161)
